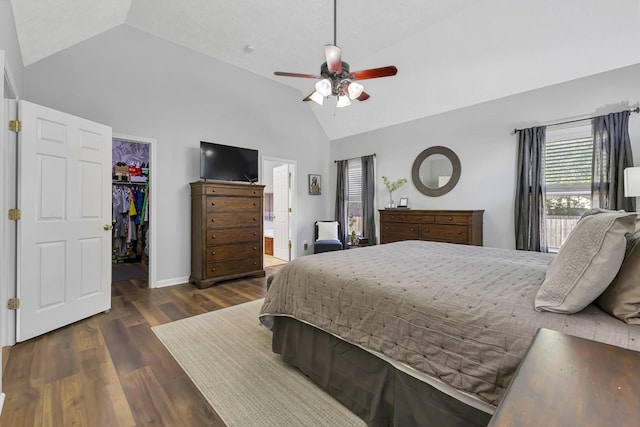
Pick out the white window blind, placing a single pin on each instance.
(568, 159)
(354, 183)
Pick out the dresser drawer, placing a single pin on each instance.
(452, 219)
(405, 217)
(233, 219)
(221, 253)
(230, 191)
(234, 203)
(444, 233)
(404, 231)
(229, 236)
(236, 266)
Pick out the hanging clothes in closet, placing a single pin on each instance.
(130, 222)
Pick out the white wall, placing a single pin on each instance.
(9, 43)
(143, 85)
(482, 136)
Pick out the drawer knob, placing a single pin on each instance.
(255, 234)
(213, 236)
(213, 269)
(386, 228)
(419, 218)
(255, 248)
(255, 263)
(213, 220)
(255, 219)
(459, 232)
(450, 218)
(426, 230)
(413, 229)
(213, 203)
(393, 217)
(254, 203)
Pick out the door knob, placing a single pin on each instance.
(107, 227)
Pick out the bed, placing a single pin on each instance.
(419, 333)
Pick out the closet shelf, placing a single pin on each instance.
(129, 183)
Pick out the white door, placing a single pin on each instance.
(281, 180)
(64, 237)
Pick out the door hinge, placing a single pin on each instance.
(14, 214)
(13, 303)
(15, 125)
(289, 210)
(289, 244)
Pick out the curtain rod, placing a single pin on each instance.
(635, 110)
(353, 158)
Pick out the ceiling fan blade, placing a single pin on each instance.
(306, 76)
(363, 96)
(374, 73)
(333, 54)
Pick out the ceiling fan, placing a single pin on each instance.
(336, 79)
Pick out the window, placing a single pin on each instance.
(354, 197)
(268, 206)
(568, 159)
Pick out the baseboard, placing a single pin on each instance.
(172, 282)
(1, 401)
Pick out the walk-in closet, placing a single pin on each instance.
(130, 211)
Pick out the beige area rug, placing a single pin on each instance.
(227, 354)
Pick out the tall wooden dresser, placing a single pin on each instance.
(226, 232)
(464, 227)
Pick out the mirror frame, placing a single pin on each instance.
(455, 175)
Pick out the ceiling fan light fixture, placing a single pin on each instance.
(317, 98)
(324, 87)
(343, 101)
(355, 89)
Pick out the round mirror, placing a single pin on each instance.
(436, 171)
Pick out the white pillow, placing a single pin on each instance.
(587, 262)
(328, 230)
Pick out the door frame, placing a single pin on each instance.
(8, 194)
(152, 143)
(293, 201)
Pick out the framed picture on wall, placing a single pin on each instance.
(315, 183)
(404, 202)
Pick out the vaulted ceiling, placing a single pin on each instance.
(449, 53)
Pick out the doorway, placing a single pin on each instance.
(132, 199)
(279, 213)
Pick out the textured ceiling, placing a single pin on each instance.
(450, 53)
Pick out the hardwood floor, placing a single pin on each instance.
(110, 369)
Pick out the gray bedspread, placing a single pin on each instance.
(462, 314)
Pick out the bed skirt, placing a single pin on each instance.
(373, 389)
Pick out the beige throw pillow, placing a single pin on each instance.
(587, 262)
(622, 297)
(327, 230)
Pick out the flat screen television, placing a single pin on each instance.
(227, 163)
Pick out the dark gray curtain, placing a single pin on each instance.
(368, 194)
(341, 198)
(529, 206)
(611, 155)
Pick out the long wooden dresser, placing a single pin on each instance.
(226, 232)
(464, 227)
